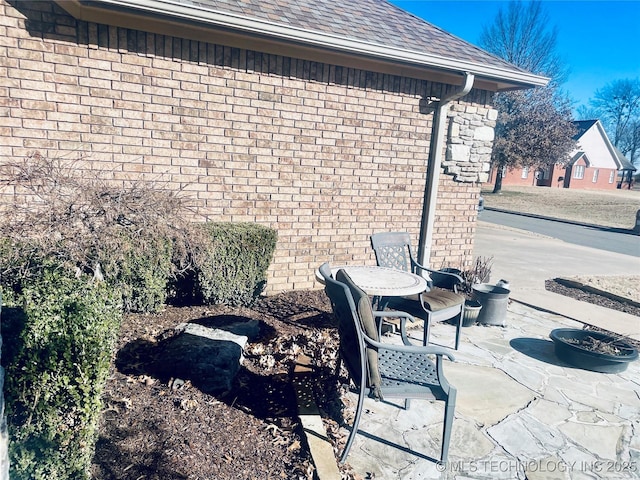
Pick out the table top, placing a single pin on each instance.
(382, 281)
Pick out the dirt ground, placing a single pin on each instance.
(159, 426)
(156, 425)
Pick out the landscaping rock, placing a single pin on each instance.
(209, 357)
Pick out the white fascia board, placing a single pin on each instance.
(254, 26)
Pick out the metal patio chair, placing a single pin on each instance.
(389, 371)
(440, 303)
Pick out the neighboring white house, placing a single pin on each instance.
(595, 163)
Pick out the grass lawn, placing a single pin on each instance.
(609, 208)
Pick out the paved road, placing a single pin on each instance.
(610, 239)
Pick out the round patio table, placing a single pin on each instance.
(381, 281)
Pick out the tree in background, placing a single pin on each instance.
(534, 127)
(522, 36)
(617, 105)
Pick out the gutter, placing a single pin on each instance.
(193, 13)
(433, 168)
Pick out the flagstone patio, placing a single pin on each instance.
(521, 413)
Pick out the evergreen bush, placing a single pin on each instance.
(62, 338)
(71, 261)
(141, 274)
(231, 265)
(134, 234)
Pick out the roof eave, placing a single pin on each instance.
(609, 144)
(504, 78)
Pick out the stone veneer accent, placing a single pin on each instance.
(325, 154)
(470, 142)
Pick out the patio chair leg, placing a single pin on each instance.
(356, 421)
(459, 328)
(449, 410)
(427, 328)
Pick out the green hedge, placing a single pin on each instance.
(141, 270)
(61, 330)
(61, 344)
(231, 266)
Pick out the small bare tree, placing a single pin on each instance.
(83, 218)
(617, 105)
(534, 128)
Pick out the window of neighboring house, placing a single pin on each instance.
(595, 176)
(525, 172)
(504, 171)
(578, 171)
(612, 176)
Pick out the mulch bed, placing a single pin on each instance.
(156, 426)
(588, 296)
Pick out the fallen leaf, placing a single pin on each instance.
(294, 447)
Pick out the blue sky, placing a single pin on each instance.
(598, 40)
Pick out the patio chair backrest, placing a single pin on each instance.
(352, 308)
(325, 271)
(393, 250)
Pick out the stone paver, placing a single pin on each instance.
(486, 394)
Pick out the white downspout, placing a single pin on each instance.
(433, 168)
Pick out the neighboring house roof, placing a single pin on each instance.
(592, 141)
(624, 161)
(582, 126)
(371, 29)
(577, 156)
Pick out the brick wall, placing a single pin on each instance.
(593, 178)
(325, 154)
(514, 176)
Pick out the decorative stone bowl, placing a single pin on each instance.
(570, 347)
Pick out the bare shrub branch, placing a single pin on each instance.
(85, 217)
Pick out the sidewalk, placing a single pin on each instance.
(527, 260)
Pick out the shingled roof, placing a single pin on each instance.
(377, 22)
(582, 126)
(372, 28)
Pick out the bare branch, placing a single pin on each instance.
(82, 216)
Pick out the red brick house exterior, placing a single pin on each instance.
(594, 164)
(313, 129)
